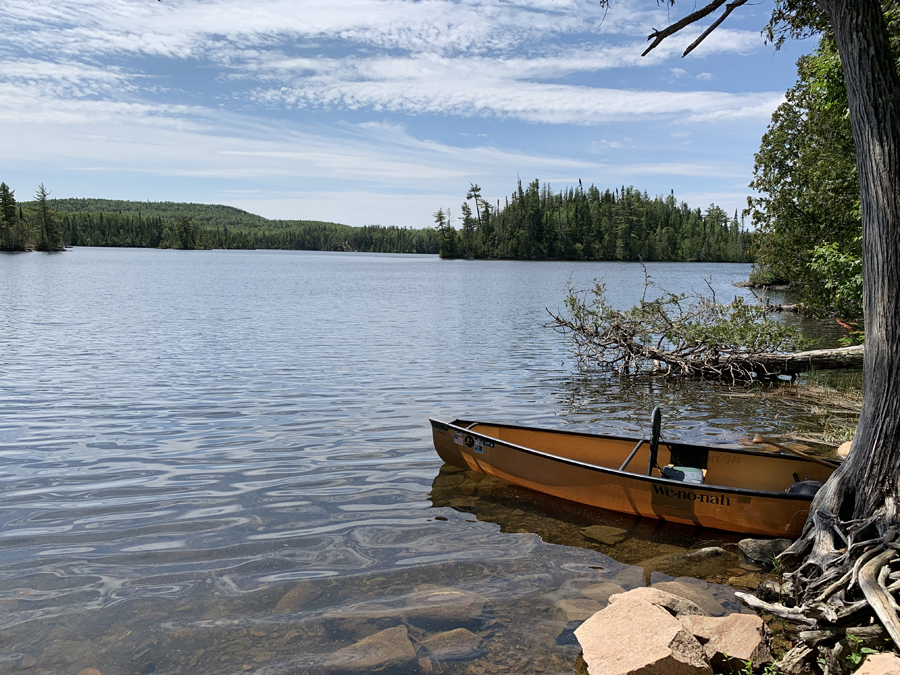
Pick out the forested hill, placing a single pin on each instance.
(577, 223)
(205, 215)
(108, 222)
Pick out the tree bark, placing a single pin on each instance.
(791, 364)
(861, 497)
(873, 87)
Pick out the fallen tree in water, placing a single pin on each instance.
(678, 334)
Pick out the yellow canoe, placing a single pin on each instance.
(741, 490)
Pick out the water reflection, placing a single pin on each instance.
(656, 547)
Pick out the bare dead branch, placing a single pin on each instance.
(729, 8)
(660, 35)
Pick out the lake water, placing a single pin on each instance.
(220, 462)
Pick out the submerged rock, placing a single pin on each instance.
(708, 553)
(763, 551)
(299, 596)
(701, 563)
(601, 592)
(577, 609)
(634, 636)
(387, 650)
(454, 645)
(439, 605)
(605, 534)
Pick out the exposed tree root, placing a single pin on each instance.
(845, 586)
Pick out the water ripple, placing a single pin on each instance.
(180, 428)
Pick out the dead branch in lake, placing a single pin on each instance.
(689, 335)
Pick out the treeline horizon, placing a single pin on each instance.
(534, 223)
(190, 226)
(577, 224)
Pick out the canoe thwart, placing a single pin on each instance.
(633, 453)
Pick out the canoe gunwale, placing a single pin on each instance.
(704, 487)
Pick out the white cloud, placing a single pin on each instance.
(183, 29)
(678, 72)
(457, 57)
(706, 76)
(603, 144)
(481, 95)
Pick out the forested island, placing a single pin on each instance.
(587, 224)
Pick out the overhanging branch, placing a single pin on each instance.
(659, 35)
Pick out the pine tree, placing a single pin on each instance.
(46, 222)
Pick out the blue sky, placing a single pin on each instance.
(378, 111)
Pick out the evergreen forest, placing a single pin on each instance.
(577, 224)
(106, 222)
(30, 227)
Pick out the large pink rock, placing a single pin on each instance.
(634, 637)
(674, 603)
(880, 664)
(731, 640)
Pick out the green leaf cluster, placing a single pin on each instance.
(691, 334)
(807, 212)
(805, 174)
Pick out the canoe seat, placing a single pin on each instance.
(686, 474)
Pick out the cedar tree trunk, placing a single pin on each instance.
(866, 487)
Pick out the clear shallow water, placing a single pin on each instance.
(186, 436)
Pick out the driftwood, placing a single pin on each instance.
(864, 634)
(791, 364)
(689, 335)
(615, 341)
(796, 308)
(872, 586)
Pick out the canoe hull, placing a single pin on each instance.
(754, 512)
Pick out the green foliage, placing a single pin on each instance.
(444, 228)
(808, 210)
(12, 235)
(777, 568)
(576, 224)
(805, 174)
(857, 652)
(840, 272)
(691, 335)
